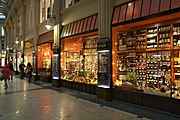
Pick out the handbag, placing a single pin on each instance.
(1, 77)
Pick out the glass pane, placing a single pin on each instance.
(79, 59)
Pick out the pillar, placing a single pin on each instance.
(104, 89)
(23, 30)
(58, 6)
(36, 36)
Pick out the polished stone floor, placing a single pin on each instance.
(40, 101)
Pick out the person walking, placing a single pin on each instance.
(12, 69)
(21, 67)
(6, 74)
(29, 71)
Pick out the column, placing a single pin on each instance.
(36, 23)
(58, 6)
(104, 89)
(23, 30)
(16, 43)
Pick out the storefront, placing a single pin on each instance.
(28, 53)
(44, 56)
(17, 60)
(79, 62)
(145, 48)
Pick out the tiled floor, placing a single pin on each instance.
(39, 101)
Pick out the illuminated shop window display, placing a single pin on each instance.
(79, 59)
(44, 59)
(28, 54)
(148, 60)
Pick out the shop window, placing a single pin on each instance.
(79, 60)
(28, 53)
(44, 59)
(148, 60)
(45, 9)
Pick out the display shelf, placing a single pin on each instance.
(91, 43)
(176, 29)
(164, 36)
(126, 51)
(176, 65)
(121, 41)
(151, 37)
(121, 66)
(152, 68)
(141, 66)
(176, 34)
(176, 73)
(131, 62)
(131, 40)
(90, 59)
(165, 66)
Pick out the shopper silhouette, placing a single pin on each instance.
(21, 67)
(11, 68)
(29, 71)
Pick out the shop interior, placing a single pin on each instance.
(79, 59)
(44, 59)
(146, 56)
(28, 53)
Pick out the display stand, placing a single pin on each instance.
(104, 68)
(56, 69)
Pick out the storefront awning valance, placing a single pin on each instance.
(84, 25)
(142, 8)
(46, 38)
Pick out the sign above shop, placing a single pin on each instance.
(46, 38)
(103, 44)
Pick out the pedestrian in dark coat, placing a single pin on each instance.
(29, 71)
(21, 67)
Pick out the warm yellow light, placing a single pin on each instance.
(48, 26)
(49, 23)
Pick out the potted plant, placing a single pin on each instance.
(130, 81)
(131, 77)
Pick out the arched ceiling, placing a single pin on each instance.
(2, 8)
